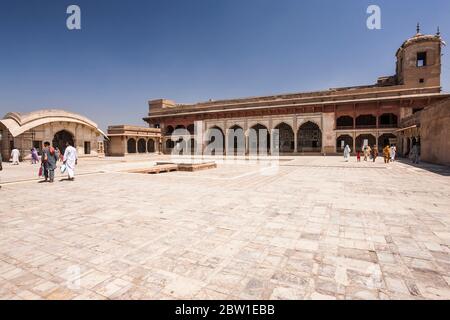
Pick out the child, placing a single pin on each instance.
(358, 156)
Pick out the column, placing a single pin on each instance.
(294, 128)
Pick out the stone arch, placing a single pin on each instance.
(388, 120)
(61, 138)
(385, 139)
(169, 130)
(256, 141)
(191, 129)
(309, 137)
(131, 145)
(366, 121)
(211, 139)
(142, 146)
(344, 122)
(236, 140)
(286, 137)
(348, 140)
(151, 146)
(359, 143)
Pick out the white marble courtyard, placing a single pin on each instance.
(319, 228)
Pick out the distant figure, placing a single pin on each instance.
(34, 156)
(367, 151)
(414, 154)
(393, 152)
(49, 160)
(15, 155)
(387, 154)
(347, 151)
(58, 154)
(358, 156)
(374, 153)
(70, 160)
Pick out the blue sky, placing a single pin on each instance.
(129, 52)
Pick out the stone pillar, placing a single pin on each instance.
(354, 141)
(294, 128)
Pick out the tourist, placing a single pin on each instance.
(393, 152)
(34, 156)
(387, 153)
(374, 153)
(70, 160)
(49, 160)
(358, 156)
(15, 155)
(347, 151)
(367, 151)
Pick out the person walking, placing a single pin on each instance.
(34, 156)
(70, 160)
(49, 160)
(367, 151)
(347, 151)
(15, 156)
(374, 153)
(393, 152)
(387, 153)
(358, 156)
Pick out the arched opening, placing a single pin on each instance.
(190, 128)
(309, 138)
(342, 141)
(180, 126)
(286, 137)
(170, 144)
(61, 138)
(344, 122)
(366, 121)
(151, 145)
(365, 140)
(386, 139)
(236, 140)
(142, 146)
(215, 141)
(131, 145)
(259, 139)
(169, 130)
(388, 120)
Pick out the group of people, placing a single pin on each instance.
(389, 153)
(50, 157)
(48, 160)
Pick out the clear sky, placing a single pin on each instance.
(129, 52)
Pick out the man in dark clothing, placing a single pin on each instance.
(49, 160)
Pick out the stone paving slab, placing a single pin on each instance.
(317, 228)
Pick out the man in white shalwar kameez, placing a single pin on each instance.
(70, 160)
(15, 155)
(347, 152)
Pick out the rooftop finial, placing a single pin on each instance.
(438, 33)
(418, 27)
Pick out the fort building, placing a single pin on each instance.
(321, 122)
